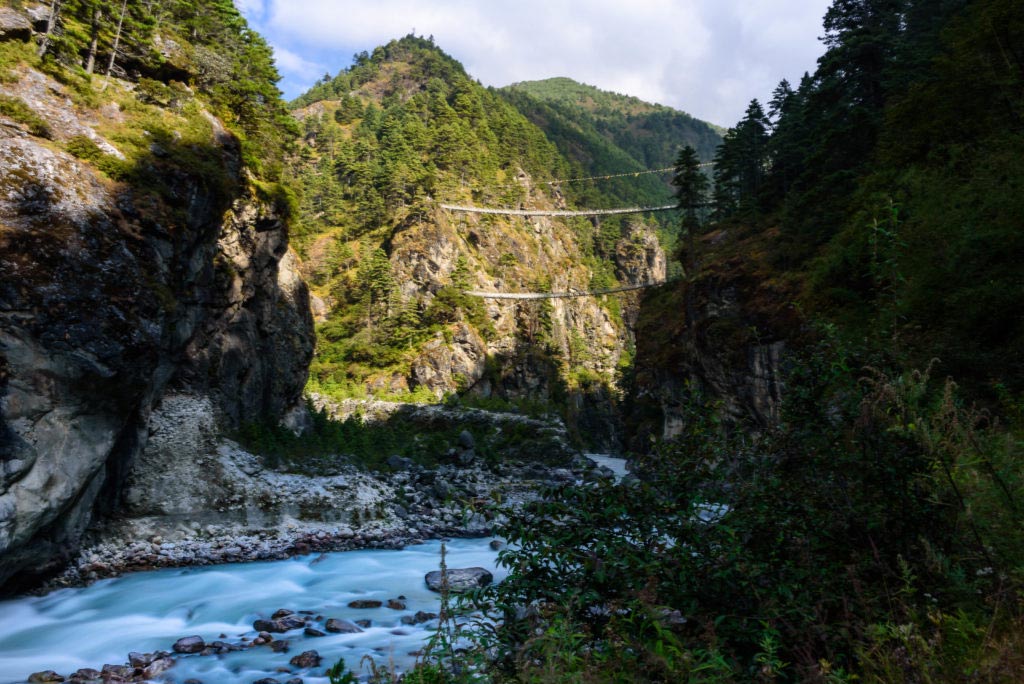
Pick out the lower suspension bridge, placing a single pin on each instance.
(561, 295)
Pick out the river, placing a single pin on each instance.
(70, 629)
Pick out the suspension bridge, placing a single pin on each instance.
(555, 212)
(627, 174)
(560, 295)
(568, 213)
(467, 209)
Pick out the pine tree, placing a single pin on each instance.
(691, 190)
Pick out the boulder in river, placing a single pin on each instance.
(341, 626)
(140, 660)
(118, 672)
(280, 625)
(365, 603)
(419, 618)
(189, 644)
(157, 667)
(459, 579)
(306, 659)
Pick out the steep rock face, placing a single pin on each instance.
(104, 305)
(731, 354)
(189, 476)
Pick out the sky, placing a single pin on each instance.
(705, 57)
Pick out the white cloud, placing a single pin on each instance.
(708, 57)
(295, 68)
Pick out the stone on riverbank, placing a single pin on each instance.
(157, 667)
(460, 580)
(45, 676)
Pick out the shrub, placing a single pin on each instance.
(16, 109)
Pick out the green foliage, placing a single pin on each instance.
(894, 181)
(339, 674)
(367, 443)
(16, 109)
(606, 133)
(793, 557)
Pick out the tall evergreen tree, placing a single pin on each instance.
(691, 191)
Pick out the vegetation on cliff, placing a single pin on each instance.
(383, 142)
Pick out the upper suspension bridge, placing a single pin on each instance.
(567, 213)
(555, 212)
(468, 209)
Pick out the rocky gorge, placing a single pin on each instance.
(113, 297)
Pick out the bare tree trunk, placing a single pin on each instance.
(117, 42)
(51, 24)
(90, 60)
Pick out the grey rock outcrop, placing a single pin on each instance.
(732, 353)
(14, 25)
(108, 304)
(460, 580)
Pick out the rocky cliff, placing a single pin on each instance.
(125, 276)
(719, 339)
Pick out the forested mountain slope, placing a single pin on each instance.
(601, 132)
(384, 142)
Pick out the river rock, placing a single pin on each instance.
(341, 626)
(459, 579)
(85, 674)
(284, 624)
(399, 463)
(140, 660)
(365, 603)
(282, 612)
(313, 632)
(157, 667)
(419, 618)
(267, 680)
(396, 604)
(115, 672)
(189, 644)
(306, 659)
(280, 646)
(45, 676)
